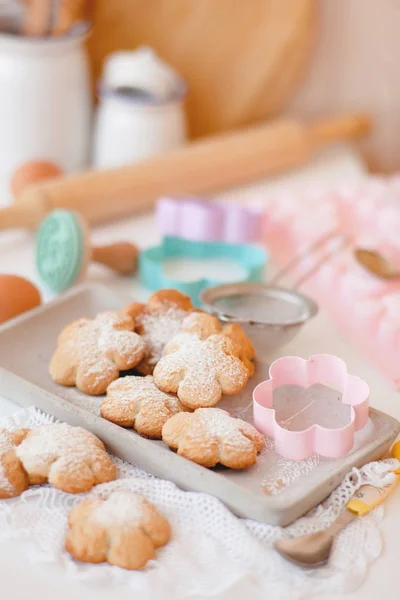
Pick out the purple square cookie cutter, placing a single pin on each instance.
(199, 220)
(324, 369)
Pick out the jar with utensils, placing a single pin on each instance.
(45, 100)
(141, 110)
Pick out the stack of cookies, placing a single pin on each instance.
(184, 361)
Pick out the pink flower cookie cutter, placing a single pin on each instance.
(202, 221)
(324, 369)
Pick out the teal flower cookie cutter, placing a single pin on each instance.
(152, 262)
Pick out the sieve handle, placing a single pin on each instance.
(343, 242)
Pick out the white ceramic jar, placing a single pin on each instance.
(45, 101)
(141, 109)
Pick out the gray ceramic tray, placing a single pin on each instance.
(275, 490)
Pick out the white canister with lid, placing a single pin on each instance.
(141, 110)
(45, 101)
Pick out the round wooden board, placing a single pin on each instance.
(241, 58)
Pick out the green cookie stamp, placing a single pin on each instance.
(60, 250)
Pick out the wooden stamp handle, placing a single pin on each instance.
(121, 257)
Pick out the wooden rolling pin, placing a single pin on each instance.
(201, 167)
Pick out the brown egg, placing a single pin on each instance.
(33, 172)
(16, 296)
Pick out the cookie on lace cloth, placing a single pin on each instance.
(200, 370)
(137, 402)
(13, 479)
(157, 322)
(69, 458)
(123, 530)
(91, 352)
(209, 436)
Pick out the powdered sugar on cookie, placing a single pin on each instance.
(210, 436)
(200, 371)
(157, 329)
(137, 402)
(70, 458)
(219, 423)
(6, 441)
(91, 353)
(13, 479)
(6, 445)
(204, 325)
(157, 322)
(120, 509)
(124, 530)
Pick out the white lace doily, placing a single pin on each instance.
(210, 549)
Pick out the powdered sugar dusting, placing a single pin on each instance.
(111, 333)
(46, 444)
(6, 445)
(204, 365)
(139, 392)
(121, 509)
(73, 395)
(219, 424)
(157, 328)
(98, 340)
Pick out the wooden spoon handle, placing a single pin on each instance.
(121, 257)
(38, 18)
(70, 12)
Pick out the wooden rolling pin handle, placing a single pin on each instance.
(345, 127)
(24, 214)
(37, 20)
(121, 257)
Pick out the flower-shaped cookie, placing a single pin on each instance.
(123, 530)
(91, 352)
(69, 458)
(157, 322)
(244, 348)
(209, 436)
(137, 402)
(203, 325)
(200, 371)
(13, 479)
(320, 369)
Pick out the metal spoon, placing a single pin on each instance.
(376, 264)
(313, 550)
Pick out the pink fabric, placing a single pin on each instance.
(366, 308)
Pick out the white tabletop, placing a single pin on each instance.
(18, 578)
